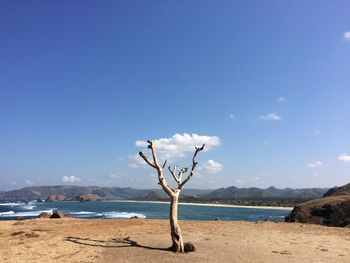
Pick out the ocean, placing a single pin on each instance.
(122, 209)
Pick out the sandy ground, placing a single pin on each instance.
(75, 240)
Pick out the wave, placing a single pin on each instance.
(7, 213)
(111, 215)
(24, 214)
(85, 214)
(27, 207)
(107, 215)
(82, 213)
(78, 214)
(11, 204)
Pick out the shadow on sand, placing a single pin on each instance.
(113, 243)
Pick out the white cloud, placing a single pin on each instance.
(211, 167)
(136, 161)
(344, 157)
(29, 182)
(180, 144)
(239, 181)
(271, 117)
(316, 164)
(346, 35)
(256, 178)
(232, 117)
(281, 99)
(70, 179)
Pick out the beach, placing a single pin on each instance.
(214, 205)
(145, 240)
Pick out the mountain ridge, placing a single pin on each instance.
(233, 192)
(228, 193)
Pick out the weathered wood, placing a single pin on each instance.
(194, 164)
(176, 236)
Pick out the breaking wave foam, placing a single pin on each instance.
(107, 215)
(79, 214)
(7, 213)
(11, 204)
(111, 215)
(24, 214)
(27, 207)
(86, 214)
(83, 213)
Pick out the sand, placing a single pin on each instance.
(90, 240)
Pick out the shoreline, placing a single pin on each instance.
(212, 205)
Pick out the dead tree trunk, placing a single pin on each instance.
(176, 236)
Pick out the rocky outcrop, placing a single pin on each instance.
(341, 190)
(56, 198)
(331, 210)
(88, 198)
(56, 214)
(44, 215)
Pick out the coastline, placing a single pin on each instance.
(212, 205)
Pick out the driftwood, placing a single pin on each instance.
(173, 193)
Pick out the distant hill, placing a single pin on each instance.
(258, 193)
(43, 192)
(184, 192)
(70, 192)
(79, 198)
(225, 195)
(333, 209)
(152, 195)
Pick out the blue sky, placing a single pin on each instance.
(265, 83)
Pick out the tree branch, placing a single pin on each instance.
(173, 173)
(144, 157)
(181, 172)
(162, 182)
(154, 153)
(194, 164)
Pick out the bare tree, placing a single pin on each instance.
(173, 193)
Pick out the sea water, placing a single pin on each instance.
(122, 209)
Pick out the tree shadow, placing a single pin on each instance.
(113, 243)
